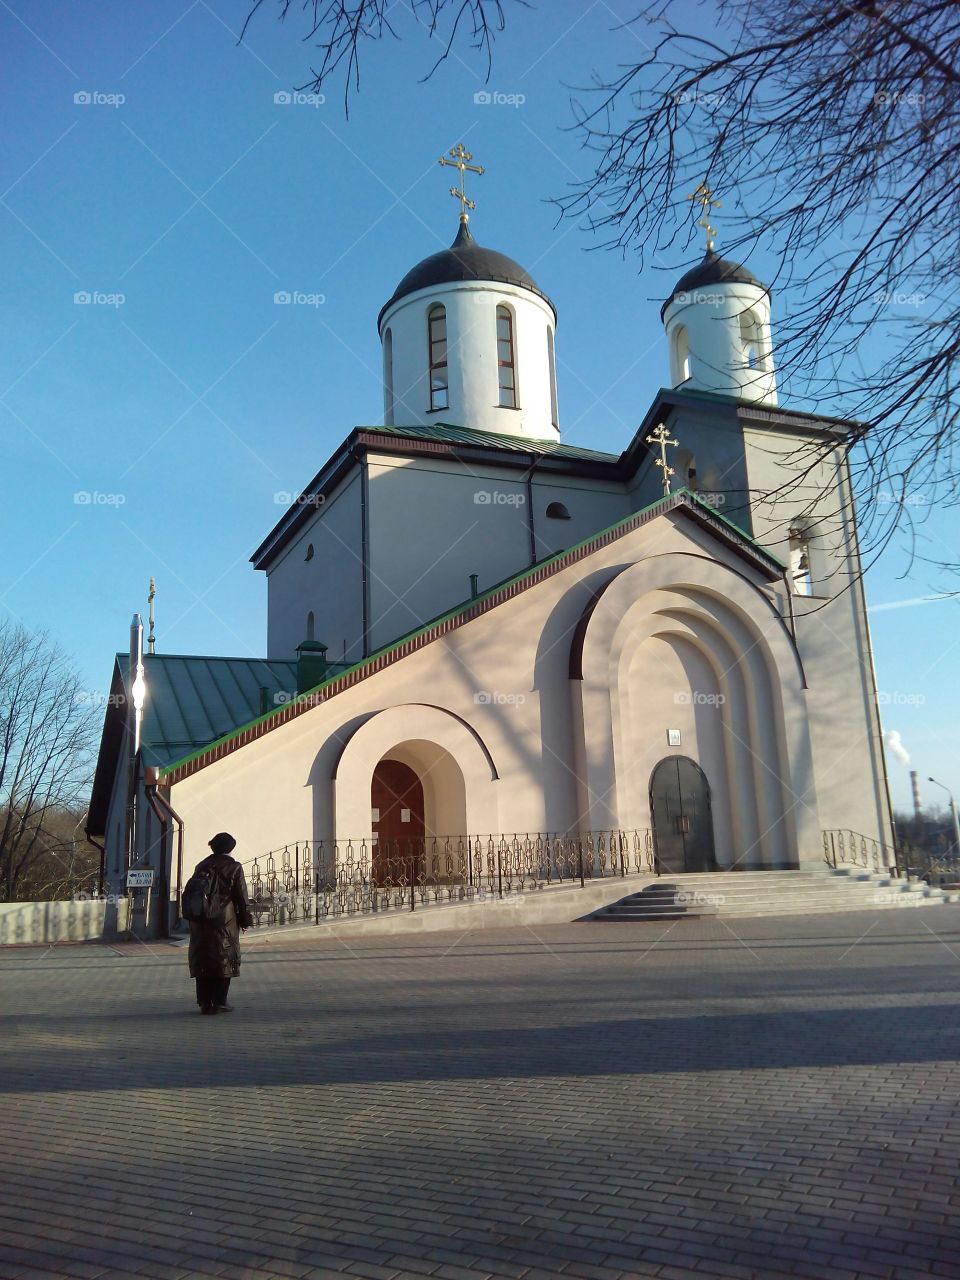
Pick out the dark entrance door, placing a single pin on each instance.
(396, 797)
(682, 821)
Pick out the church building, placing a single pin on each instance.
(479, 632)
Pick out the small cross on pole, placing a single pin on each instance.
(460, 157)
(660, 437)
(703, 196)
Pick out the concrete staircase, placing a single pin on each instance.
(769, 893)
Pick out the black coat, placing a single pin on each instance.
(215, 948)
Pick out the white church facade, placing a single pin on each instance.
(477, 630)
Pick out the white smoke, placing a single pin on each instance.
(895, 746)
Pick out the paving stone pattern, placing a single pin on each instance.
(752, 1099)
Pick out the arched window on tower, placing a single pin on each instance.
(311, 626)
(552, 370)
(751, 338)
(388, 378)
(437, 338)
(801, 577)
(506, 358)
(681, 351)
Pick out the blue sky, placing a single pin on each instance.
(186, 406)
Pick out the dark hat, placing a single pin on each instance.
(223, 842)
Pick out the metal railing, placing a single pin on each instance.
(317, 880)
(852, 849)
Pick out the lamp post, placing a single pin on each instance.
(953, 813)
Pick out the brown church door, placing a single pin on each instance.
(682, 820)
(396, 798)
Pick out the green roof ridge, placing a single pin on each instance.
(462, 607)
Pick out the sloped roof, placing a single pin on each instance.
(450, 434)
(191, 702)
(683, 501)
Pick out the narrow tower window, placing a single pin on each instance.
(751, 338)
(800, 575)
(506, 359)
(552, 369)
(682, 352)
(311, 626)
(388, 378)
(437, 334)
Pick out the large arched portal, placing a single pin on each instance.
(682, 817)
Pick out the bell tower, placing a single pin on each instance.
(717, 321)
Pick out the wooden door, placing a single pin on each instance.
(396, 798)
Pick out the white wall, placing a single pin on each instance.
(507, 675)
(712, 316)
(22, 923)
(472, 359)
(831, 626)
(329, 584)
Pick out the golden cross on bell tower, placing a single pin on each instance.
(704, 198)
(660, 436)
(460, 157)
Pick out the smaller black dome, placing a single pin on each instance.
(713, 270)
(464, 260)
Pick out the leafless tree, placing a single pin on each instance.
(830, 132)
(47, 735)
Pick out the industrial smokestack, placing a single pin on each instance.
(917, 806)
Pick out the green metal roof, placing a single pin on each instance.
(192, 701)
(449, 434)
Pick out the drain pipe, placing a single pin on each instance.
(103, 861)
(156, 797)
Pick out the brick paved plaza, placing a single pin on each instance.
(776, 1098)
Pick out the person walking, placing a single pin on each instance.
(215, 941)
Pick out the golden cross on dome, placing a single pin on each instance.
(660, 436)
(460, 157)
(704, 198)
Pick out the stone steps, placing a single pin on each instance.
(761, 893)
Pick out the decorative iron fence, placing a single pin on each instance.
(851, 849)
(317, 880)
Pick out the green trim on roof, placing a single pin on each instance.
(668, 501)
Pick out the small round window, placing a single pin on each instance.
(557, 511)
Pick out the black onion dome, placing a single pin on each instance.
(713, 270)
(464, 260)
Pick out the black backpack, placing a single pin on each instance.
(203, 899)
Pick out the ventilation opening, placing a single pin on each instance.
(557, 511)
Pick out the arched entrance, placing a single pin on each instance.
(397, 811)
(682, 818)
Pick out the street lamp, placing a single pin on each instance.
(953, 813)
